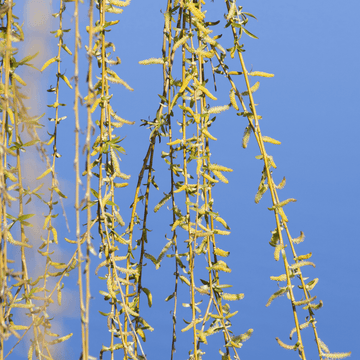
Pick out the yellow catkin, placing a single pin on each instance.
(120, 185)
(221, 232)
(167, 21)
(220, 267)
(282, 203)
(299, 239)
(124, 176)
(304, 302)
(207, 92)
(214, 43)
(18, 79)
(175, 224)
(198, 167)
(113, 10)
(271, 140)
(152, 61)
(120, 119)
(181, 188)
(246, 137)
(10, 175)
(174, 100)
(175, 142)
(206, 54)
(278, 248)
(304, 257)
(202, 28)
(311, 284)
(218, 109)
(300, 264)
(50, 61)
(261, 191)
(285, 346)
(120, 3)
(278, 278)
(232, 297)
(232, 10)
(208, 177)
(95, 104)
(185, 83)
(260, 73)
(252, 89)
(222, 253)
(59, 295)
(95, 29)
(271, 162)
(222, 222)
(109, 284)
(282, 184)
(195, 11)
(197, 82)
(208, 135)
(115, 161)
(119, 81)
(233, 100)
(190, 111)
(180, 42)
(219, 168)
(220, 176)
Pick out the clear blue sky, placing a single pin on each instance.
(310, 105)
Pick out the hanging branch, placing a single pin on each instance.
(3, 187)
(192, 87)
(238, 19)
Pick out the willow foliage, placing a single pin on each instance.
(190, 57)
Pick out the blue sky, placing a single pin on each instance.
(310, 106)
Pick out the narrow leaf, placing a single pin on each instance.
(48, 171)
(148, 294)
(50, 61)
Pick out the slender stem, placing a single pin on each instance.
(88, 170)
(84, 325)
(3, 190)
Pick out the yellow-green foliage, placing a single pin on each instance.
(193, 239)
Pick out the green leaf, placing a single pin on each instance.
(27, 59)
(184, 279)
(150, 257)
(110, 203)
(94, 193)
(248, 14)
(32, 142)
(247, 32)
(60, 193)
(104, 314)
(170, 297)
(148, 294)
(25, 217)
